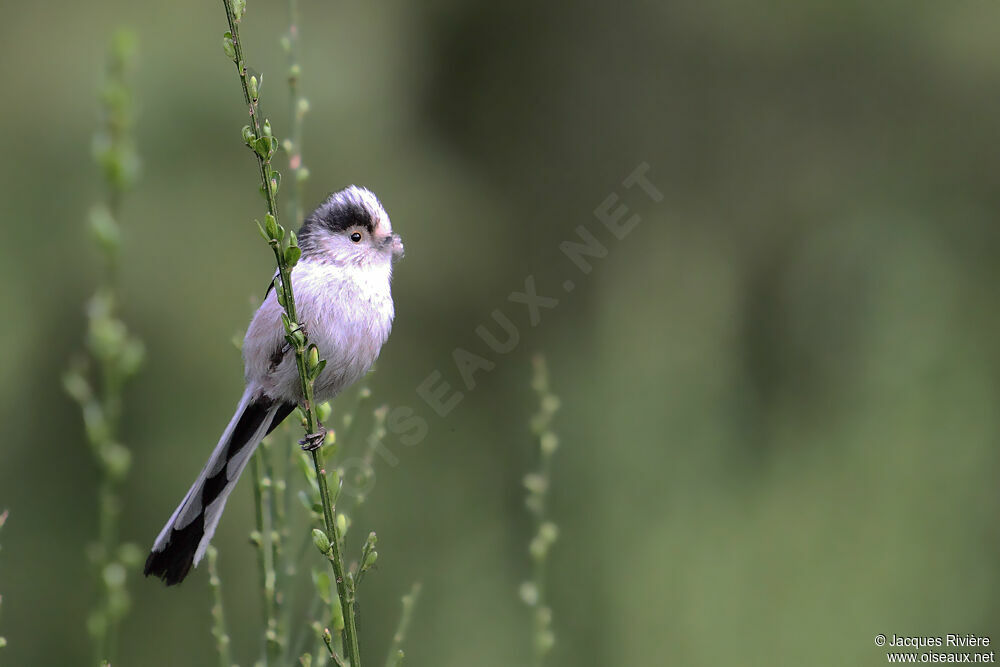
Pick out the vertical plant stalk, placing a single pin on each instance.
(279, 528)
(299, 107)
(116, 354)
(334, 552)
(261, 538)
(258, 136)
(533, 592)
(274, 486)
(395, 657)
(222, 642)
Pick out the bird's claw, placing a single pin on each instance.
(313, 441)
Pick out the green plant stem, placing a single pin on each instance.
(265, 562)
(113, 354)
(395, 656)
(251, 103)
(344, 590)
(218, 612)
(296, 114)
(546, 532)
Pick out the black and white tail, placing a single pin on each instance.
(183, 541)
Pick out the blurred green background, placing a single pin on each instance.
(779, 425)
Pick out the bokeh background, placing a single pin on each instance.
(779, 425)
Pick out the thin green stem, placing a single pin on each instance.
(265, 564)
(395, 656)
(537, 483)
(274, 517)
(295, 335)
(219, 631)
(113, 354)
(297, 110)
(345, 588)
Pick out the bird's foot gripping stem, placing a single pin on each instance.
(313, 441)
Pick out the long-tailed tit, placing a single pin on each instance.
(343, 297)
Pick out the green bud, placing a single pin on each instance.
(77, 386)
(262, 146)
(267, 127)
(302, 173)
(313, 359)
(116, 459)
(239, 8)
(104, 229)
(549, 443)
(254, 88)
(321, 541)
(287, 146)
(303, 106)
(545, 641)
(114, 575)
(271, 227)
(292, 254)
(129, 554)
(256, 539)
(296, 339)
(106, 336)
(323, 411)
(294, 72)
(370, 559)
(248, 136)
(131, 357)
(97, 622)
(529, 593)
(275, 176)
(535, 483)
(549, 532)
(227, 45)
(286, 43)
(293, 240)
(538, 548)
(342, 524)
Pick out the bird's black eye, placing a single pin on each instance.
(356, 237)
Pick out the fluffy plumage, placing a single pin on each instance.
(342, 291)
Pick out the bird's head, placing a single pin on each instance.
(350, 227)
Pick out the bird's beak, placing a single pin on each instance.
(397, 247)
